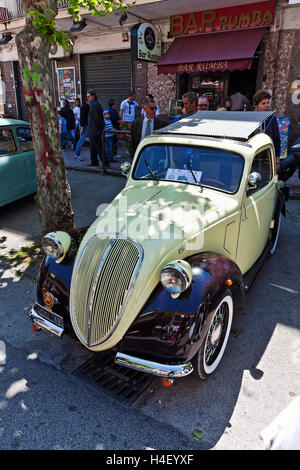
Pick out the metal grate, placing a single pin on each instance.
(102, 280)
(121, 383)
(221, 124)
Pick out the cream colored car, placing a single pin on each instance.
(156, 277)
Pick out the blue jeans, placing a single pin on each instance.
(108, 148)
(63, 140)
(71, 137)
(81, 140)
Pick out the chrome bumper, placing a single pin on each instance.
(153, 368)
(44, 324)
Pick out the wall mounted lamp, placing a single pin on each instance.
(78, 26)
(6, 37)
(123, 18)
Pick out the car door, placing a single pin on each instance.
(257, 211)
(24, 138)
(13, 175)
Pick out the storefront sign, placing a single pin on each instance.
(66, 84)
(145, 42)
(224, 19)
(203, 66)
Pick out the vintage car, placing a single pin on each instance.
(17, 163)
(156, 278)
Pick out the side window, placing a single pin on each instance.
(262, 164)
(7, 143)
(25, 138)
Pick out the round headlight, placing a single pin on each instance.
(56, 245)
(176, 277)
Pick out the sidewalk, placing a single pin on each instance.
(294, 185)
(114, 169)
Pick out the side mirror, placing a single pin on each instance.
(125, 168)
(295, 149)
(253, 180)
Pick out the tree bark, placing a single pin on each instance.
(53, 193)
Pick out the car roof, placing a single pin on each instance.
(12, 122)
(237, 125)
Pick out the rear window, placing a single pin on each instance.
(7, 143)
(25, 138)
(208, 167)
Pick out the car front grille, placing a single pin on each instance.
(103, 278)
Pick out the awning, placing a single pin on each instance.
(232, 50)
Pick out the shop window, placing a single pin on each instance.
(211, 86)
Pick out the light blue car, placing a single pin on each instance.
(17, 163)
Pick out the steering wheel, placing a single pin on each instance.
(216, 183)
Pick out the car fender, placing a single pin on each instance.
(171, 329)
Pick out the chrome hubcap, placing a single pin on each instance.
(215, 332)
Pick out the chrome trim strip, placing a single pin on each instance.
(45, 324)
(181, 271)
(58, 242)
(153, 368)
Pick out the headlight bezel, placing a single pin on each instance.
(60, 240)
(180, 269)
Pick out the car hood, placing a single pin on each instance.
(175, 203)
(164, 216)
(161, 235)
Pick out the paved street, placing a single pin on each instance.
(43, 406)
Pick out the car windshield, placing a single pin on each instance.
(202, 166)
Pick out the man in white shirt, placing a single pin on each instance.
(144, 126)
(127, 108)
(76, 112)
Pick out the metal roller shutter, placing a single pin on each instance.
(109, 73)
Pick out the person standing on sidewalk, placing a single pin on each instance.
(84, 113)
(68, 114)
(261, 102)
(95, 129)
(127, 108)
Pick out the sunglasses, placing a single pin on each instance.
(153, 108)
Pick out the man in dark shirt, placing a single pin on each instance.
(68, 114)
(115, 120)
(84, 113)
(144, 126)
(95, 129)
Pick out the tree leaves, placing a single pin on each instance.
(198, 434)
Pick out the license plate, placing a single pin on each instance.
(49, 315)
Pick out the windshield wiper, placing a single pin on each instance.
(151, 172)
(195, 179)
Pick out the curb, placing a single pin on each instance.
(110, 171)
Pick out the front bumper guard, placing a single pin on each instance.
(45, 324)
(148, 367)
(154, 368)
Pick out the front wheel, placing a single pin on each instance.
(213, 347)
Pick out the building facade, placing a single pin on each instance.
(168, 48)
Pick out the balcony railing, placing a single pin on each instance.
(12, 9)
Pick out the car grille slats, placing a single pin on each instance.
(104, 276)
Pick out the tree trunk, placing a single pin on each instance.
(53, 193)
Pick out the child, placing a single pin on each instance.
(108, 136)
(62, 130)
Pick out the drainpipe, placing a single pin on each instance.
(277, 54)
